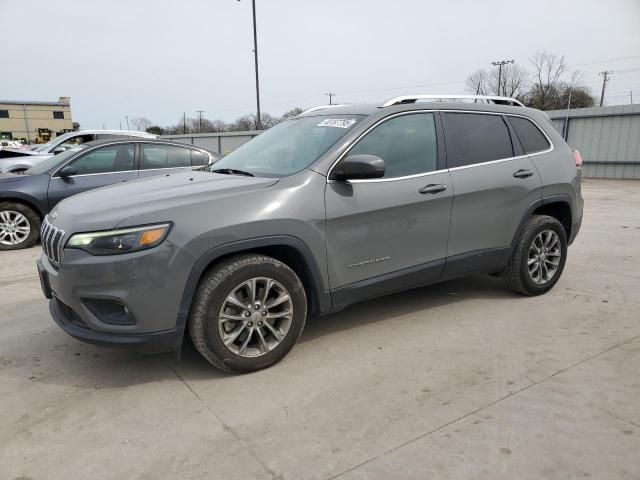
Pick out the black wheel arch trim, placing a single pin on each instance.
(27, 200)
(320, 299)
(560, 198)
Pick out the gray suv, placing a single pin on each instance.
(339, 205)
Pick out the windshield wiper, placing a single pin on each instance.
(232, 171)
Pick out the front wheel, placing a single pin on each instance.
(539, 256)
(248, 313)
(19, 226)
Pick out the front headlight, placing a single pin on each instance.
(126, 240)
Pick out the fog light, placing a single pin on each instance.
(109, 311)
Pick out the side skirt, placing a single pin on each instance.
(478, 262)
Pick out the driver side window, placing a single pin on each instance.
(407, 144)
(114, 158)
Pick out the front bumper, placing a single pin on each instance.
(157, 342)
(148, 285)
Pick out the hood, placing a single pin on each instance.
(10, 177)
(109, 207)
(15, 152)
(9, 164)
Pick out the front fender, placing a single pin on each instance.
(320, 297)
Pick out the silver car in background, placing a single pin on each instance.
(20, 160)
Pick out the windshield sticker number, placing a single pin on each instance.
(337, 122)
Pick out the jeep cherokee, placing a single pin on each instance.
(336, 206)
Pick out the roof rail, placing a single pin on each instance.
(322, 107)
(441, 98)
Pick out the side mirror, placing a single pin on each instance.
(58, 150)
(358, 167)
(67, 171)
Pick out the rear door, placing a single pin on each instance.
(494, 185)
(97, 168)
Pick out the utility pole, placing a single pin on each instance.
(330, 95)
(499, 64)
(565, 129)
(605, 79)
(200, 112)
(631, 95)
(120, 124)
(127, 117)
(255, 59)
(184, 123)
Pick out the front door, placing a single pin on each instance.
(97, 168)
(390, 233)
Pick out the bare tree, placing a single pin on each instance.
(513, 81)
(478, 82)
(294, 112)
(141, 124)
(548, 69)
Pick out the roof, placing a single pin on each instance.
(106, 141)
(117, 132)
(373, 108)
(30, 102)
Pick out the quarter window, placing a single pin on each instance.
(530, 136)
(164, 156)
(407, 144)
(114, 158)
(476, 138)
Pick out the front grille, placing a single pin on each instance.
(51, 238)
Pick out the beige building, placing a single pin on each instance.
(34, 122)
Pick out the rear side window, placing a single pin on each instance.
(476, 138)
(164, 156)
(530, 136)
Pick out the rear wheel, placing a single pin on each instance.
(19, 226)
(248, 313)
(539, 256)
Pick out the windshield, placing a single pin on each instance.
(289, 147)
(54, 161)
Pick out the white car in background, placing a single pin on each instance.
(14, 160)
(13, 144)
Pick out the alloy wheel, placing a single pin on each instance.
(14, 227)
(544, 256)
(255, 317)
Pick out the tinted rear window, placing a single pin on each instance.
(476, 138)
(530, 136)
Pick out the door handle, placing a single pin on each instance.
(433, 188)
(523, 173)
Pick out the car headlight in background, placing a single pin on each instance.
(126, 240)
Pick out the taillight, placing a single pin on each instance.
(578, 158)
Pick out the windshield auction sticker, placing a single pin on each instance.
(337, 122)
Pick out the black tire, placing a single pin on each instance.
(34, 224)
(213, 289)
(516, 274)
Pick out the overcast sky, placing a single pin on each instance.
(159, 58)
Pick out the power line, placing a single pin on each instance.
(603, 61)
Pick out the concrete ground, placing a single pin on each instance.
(455, 381)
